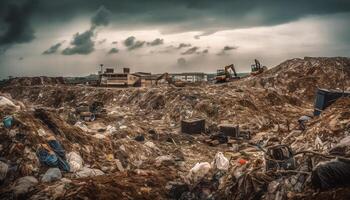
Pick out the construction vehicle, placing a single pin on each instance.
(167, 78)
(224, 75)
(257, 68)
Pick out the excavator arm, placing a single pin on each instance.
(170, 81)
(225, 75)
(257, 68)
(164, 76)
(232, 67)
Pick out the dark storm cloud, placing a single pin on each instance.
(132, 43)
(82, 43)
(15, 24)
(53, 49)
(225, 49)
(205, 15)
(113, 51)
(229, 48)
(156, 42)
(204, 52)
(129, 41)
(206, 33)
(115, 42)
(101, 17)
(190, 51)
(208, 16)
(136, 45)
(182, 45)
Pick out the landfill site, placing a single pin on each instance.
(282, 133)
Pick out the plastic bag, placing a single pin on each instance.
(199, 171)
(220, 162)
(52, 159)
(47, 158)
(57, 148)
(8, 121)
(6, 102)
(331, 174)
(52, 174)
(75, 161)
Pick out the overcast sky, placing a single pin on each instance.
(72, 37)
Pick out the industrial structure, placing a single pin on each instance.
(190, 77)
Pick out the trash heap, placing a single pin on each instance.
(33, 81)
(254, 138)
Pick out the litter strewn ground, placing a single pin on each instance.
(78, 142)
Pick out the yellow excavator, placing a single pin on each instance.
(224, 75)
(257, 68)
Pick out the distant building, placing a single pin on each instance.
(190, 77)
(110, 78)
(146, 79)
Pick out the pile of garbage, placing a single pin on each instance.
(301, 77)
(254, 138)
(33, 81)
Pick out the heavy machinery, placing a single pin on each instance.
(257, 68)
(224, 75)
(167, 78)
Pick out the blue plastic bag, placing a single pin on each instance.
(57, 148)
(46, 158)
(8, 121)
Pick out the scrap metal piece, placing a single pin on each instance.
(279, 157)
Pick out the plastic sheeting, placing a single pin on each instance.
(331, 174)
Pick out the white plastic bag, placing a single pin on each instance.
(6, 102)
(75, 161)
(199, 171)
(220, 162)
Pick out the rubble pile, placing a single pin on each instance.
(240, 140)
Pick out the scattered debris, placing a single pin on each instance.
(193, 126)
(242, 138)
